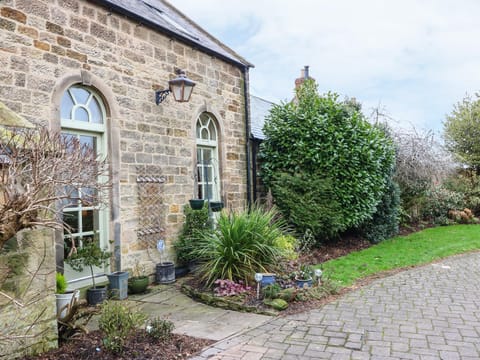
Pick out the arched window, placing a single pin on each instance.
(208, 177)
(83, 116)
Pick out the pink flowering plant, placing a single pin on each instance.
(230, 288)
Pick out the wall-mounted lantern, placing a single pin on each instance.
(181, 87)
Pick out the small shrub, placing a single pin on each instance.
(384, 223)
(289, 245)
(61, 283)
(466, 182)
(438, 202)
(160, 329)
(288, 294)
(196, 224)
(307, 241)
(242, 244)
(117, 321)
(272, 291)
(305, 272)
(464, 216)
(230, 288)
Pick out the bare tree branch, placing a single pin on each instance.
(41, 173)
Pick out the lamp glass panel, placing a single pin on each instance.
(187, 92)
(177, 92)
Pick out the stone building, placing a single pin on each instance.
(91, 69)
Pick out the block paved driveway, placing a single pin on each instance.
(431, 312)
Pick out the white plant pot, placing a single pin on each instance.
(65, 302)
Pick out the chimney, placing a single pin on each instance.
(303, 75)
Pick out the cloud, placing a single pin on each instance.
(417, 58)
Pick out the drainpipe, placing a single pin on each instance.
(247, 131)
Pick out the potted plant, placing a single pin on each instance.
(304, 276)
(196, 204)
(118, 284)
(216, 206)
(90, 255)
(65, 299)
(138, 283)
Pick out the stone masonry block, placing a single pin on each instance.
(14, 14)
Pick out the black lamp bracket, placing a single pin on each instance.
(161, 95)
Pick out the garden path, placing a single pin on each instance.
(190, 317)
(430, 312)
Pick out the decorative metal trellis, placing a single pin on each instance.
(150, 202)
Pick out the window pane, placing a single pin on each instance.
(88, 220)
(207, 155)
(71, 219)
(66, 106)
(199, 174)
(89, 141)
(95, 111)
(204, 134)
(72, 194)
(204, 118)
(80, 114)
(67, 245)
(199, 128)
(212, 130)
(210, 173)
(200, 192)
(69, 141)
(80, 95)
(88, 197)
(209, 191)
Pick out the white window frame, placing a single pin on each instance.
(98, 131)
(206, 125)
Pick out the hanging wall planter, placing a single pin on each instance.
(216, 205)
(196, 204)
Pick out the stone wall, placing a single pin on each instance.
(27, 302)
(46, 43)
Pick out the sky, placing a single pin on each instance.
(412, 59)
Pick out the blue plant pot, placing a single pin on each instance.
(118, 285)
(303, 283)
(268, 279)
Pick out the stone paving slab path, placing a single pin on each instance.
(193, 318)
(430, 312)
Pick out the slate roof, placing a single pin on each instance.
(162, 16)
(259, 109)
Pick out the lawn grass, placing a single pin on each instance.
(403, 251)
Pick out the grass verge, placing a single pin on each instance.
(403, 251)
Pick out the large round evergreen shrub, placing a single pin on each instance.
(321, 137)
